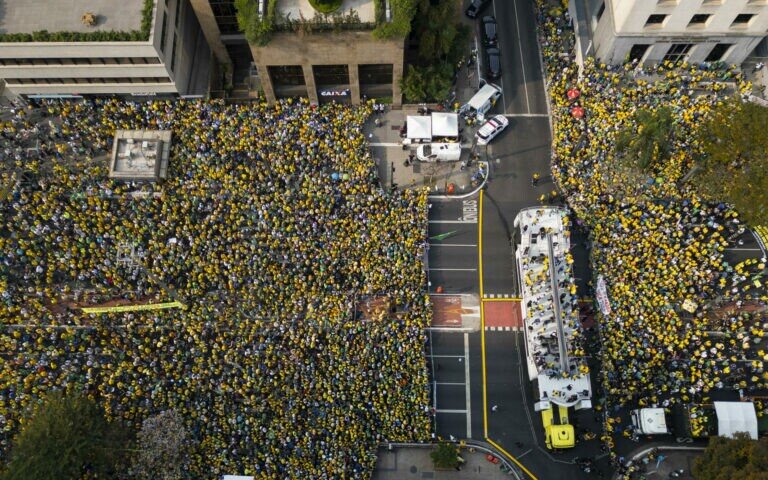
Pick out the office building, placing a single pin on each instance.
(653, 31)
(102, 47)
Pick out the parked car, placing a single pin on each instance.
(475, 7)
(489, 31)
(490, 129)
(492, 63)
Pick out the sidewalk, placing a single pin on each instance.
(415, 463)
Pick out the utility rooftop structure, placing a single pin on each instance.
(550, 309)
(140, 154)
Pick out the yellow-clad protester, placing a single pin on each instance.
(271, 227)
(658, 244)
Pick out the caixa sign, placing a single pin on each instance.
(334, 93)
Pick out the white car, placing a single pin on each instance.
(490, 129)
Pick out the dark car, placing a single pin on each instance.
(475, 6)
(493, 63)
(490, 35)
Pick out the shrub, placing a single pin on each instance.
(325, 6)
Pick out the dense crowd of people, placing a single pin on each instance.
(270, 228)
(659, 245)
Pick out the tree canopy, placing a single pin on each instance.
(65, 437)
(733, 459)
(734, 165)
(650, 140)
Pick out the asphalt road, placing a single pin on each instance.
(452, 260)
(521, 73)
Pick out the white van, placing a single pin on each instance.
(439, 152)
(482, 101)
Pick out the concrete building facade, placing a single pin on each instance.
(652, 31)
(175, 60)
(343, 65)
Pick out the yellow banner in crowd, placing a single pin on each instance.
(133, 308)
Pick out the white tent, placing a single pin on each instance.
(419, 127)
(735, 417)
(445, 124)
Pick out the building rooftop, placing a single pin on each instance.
(28, 16)
(295, 9)
(140, 154)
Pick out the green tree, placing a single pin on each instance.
(648, 141)
(258, 29)
(739, 458)
(427, 84)
(445, 455)
(734, 165)
(63, 438)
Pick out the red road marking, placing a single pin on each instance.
(446, 311)
(502, 314)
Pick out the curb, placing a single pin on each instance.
(485, 447)
(466, 195)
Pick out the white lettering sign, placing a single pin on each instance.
(601, 293)
(469, 211)
(334, 93)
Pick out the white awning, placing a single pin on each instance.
(445, 124)
(419, 127)
(733, 417)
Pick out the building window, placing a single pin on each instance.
(708, 3)
(163, 32)
(655, 20)
(287, 75)
(718, 52)
(331, 74)
(226, 16)
(600, 12)
(637, 52)
(678, 52)
(173, 52)
(667, 3)
(178, 13)
(743, 19)
(757, 2)
(699, 20)
(377, 74)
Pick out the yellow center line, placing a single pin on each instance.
(482, 337)
(482, 310)
(517, 462)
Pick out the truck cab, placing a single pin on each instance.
(558, 431)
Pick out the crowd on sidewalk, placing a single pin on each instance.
(658, 244)
(270, 227)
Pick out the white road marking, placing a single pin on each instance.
(444, 356)
(524, 453)
(449, 383)
(522, 63)
(512, 115)
(385, 144)
(466, 379)
(434, 395)
(759, 242)
(452, 269)
(745, 249)
(451, 411)
(450, 221)
(468, 245)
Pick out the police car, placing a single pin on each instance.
(490, 129)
